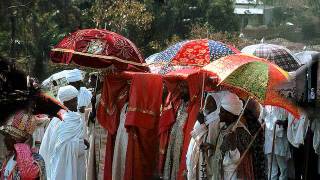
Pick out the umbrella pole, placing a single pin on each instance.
(272, 151)
(235, 125)
(202, 91)
(91, 118)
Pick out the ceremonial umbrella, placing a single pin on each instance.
(255, 77)
(189, 54)
(248, 75)
(98, 48)
(274, 53)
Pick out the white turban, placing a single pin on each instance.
(231, 103)
(84, 97)
(74, 75)
(67, 93)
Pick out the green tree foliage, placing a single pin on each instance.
(29, 29)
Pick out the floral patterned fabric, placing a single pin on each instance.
(29, 165)
(188, 54)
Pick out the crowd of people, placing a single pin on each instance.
(223, 140)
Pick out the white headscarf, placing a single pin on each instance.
(74, 75)
(67, 93)
(231, 103)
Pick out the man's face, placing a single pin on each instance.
(226, 116)
(71, 104)
(184, 91)
(211, 105)
(76, 84)
(92, 81)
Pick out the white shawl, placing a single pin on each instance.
(68, 159)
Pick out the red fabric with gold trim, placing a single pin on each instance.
(142, 126)
(98, 48)
(113, 97)
(195, 85)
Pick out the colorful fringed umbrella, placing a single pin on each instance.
(274, 53)
(253, 76)
(98, 49)
(189, 54)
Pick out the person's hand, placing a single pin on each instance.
(86, 142)
(200, 117)
(282, 123)
(82, 109)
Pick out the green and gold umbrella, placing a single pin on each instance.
(247, 75)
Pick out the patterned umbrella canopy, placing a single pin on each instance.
(274, 53)
(250, 75)
(98, 49)
(189, 54)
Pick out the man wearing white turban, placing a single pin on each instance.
(74, 78)
(205, 131)
(64, 148)
(230, 144)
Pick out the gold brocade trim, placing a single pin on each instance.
(14, 132)
(132, 109)
(98, 56)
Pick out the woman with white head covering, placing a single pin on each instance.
(66, 150)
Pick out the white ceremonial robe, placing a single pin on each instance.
(271, 115)
(120, 149)
(212, 120)
(68, 159)
(230, 161)
(48, 143)
(315, 127)
(297, 129)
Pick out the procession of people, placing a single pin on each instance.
(216, 116)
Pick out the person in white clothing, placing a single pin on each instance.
(209, 128)
(276, 115)
(66, 150)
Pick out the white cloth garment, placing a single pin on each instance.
(315, 127)
(84, 97)
(9, 167)
(120, 149)
(212, 121)
(48, 142)
(229, 163)
(297, 129)
(278, 162)
(231, 103)
(68, 158)
(271, 115)
(67, 93)
(74, 75)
